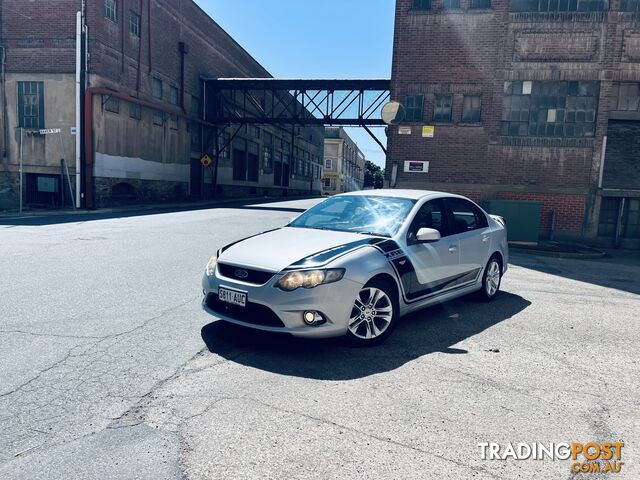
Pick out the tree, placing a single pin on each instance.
(373, 175)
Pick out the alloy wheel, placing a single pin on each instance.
(371, 314)
(493, 278)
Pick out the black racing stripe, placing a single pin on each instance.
(428, 289)
(226, 247)
(323, 257)
(412, 289)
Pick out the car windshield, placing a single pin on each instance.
(373, 215)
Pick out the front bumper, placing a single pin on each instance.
(334, 301)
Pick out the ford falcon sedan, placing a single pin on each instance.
(355, 263)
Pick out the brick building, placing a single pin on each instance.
(143, 138)
(343, 162)
(530, 100)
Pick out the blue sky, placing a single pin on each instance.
(315, 39)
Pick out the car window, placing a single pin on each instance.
(465, 215)
(375, 215)
(431, 215)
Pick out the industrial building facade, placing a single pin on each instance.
(343, 163)
(524, 100)
(142, 130)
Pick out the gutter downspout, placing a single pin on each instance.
(5, 126)
(78, 107)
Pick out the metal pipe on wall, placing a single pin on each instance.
(5, 119)
(78, 107)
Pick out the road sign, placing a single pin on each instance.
(47, 131)
(393, 113)
(206, 161)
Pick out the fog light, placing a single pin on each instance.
(313, 318)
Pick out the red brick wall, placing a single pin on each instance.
(40, 37)
(475, 52)
(569, 209)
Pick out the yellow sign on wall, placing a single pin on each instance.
(206, 161)
(428, 131)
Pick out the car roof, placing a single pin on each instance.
(399, 193)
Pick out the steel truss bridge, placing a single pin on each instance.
(293, 102)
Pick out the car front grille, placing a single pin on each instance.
(253, 313)
(248, 275)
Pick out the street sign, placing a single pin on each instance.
(206, 160)
(47, 131)
(428, 131)
(393, 113)
(416, 167)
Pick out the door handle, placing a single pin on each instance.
(485, 238)
(452, 248)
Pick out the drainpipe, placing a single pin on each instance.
(5, 126)
(78, 107)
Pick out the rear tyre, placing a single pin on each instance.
(373, 315)
(491, 279)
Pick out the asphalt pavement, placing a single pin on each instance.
(109, 369)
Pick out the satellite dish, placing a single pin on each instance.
(393, 113)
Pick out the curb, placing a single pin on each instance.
(148, 207)
(590, 255)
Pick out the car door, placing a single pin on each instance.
(434, 263)
(470, 227)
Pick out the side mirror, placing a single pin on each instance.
(428, 235)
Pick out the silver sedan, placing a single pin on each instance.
(355, 263)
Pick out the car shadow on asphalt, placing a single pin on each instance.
(435, 329)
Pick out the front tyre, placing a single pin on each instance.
(373, 315)
(491, 279)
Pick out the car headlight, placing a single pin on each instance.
(308, 278)
(211, 266)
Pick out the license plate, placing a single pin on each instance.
(232, 297)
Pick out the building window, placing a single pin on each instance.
(173, 122)
(196, 137)
(550, 109)
(224, 145)
(135, 111)
(174, 95)
(112, 104)
(628, 97)
(471, 109)
(442, 108)
(414, 104)
(156, 88)
(630, 5)
(327, 183)
(450, 4)
(559, 5)
(31, 104)
(195, 106)
(111, 10)
(158, 118)
(480, 4)
(267, 158)
(134, 23)
(328, 164)
(422, 4)
(254, 131)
